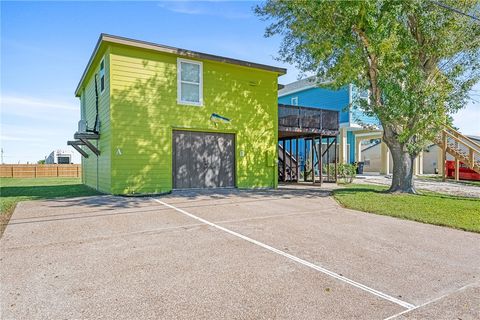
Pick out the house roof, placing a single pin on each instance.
(107, 38)
(300, 85)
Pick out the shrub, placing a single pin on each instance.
(347, 172)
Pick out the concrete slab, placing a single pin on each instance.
(122, 258)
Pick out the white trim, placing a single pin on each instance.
(294, 101)
(369, 134)
(294, 258)
(179, 82)
(297, 90)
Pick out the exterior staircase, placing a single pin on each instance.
(460, 147)
(291, 164)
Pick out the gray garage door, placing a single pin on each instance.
(203, 160)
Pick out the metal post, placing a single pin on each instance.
(296, 157)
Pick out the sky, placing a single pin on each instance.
(45, 46)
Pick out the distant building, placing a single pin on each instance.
(371, 156)
(59, 157)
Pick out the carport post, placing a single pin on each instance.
(336, 160)
(290, 158)
(320, 160)
(297, 171)
(284, 161)
(313, 159)
(328, 159)
(304, 161)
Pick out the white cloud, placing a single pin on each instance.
(17, 138)
(34, 103)
(199, 8)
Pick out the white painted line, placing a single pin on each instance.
(432, 301)
(294, 258)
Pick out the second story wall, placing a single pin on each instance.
(337, 100)
(96, 170)
(145, 111)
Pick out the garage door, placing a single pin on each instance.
(203, 160)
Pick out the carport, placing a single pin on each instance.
(307, 144)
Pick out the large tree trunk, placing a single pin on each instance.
(402, 180)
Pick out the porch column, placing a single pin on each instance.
(457, 169)
(440, 160)
(415, 166)
(420, 163)
(384, 158)
(343, 146)
(358, 149)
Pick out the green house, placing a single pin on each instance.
(156, 118)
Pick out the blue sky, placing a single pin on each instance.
(46, 45)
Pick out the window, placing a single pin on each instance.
(190, 86)
(102, 75)
(294, 101)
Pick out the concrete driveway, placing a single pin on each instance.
(286, 254)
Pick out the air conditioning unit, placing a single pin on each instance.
(82, 126)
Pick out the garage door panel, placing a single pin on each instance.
(203, 160)
(181, 146)
(197, 158)
(226, 175)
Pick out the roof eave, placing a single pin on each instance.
(167, 49)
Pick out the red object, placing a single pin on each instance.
(465, 172)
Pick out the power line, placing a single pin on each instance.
(456, 10)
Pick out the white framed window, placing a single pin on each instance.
(190, 82)
(294, 101)
(102, 75)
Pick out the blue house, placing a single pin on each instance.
(355, 125)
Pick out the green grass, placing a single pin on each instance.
(443, 210)
(14, 190)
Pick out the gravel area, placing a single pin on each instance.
(446, 187)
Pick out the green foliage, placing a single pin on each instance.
(347, 172)
(418, 61)
(427, 207)
(41, 162)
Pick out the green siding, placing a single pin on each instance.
(97, 170)
(144, 111)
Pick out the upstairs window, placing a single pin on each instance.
(102, 75)
(190, 86)
(294, 101)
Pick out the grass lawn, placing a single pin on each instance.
(14, 190)
(427, 207)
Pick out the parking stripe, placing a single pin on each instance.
(294, 258)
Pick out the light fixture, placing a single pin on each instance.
(218, 118)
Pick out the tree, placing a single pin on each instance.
(417, 60)
(41, 162)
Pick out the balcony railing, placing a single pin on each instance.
(307, 119)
